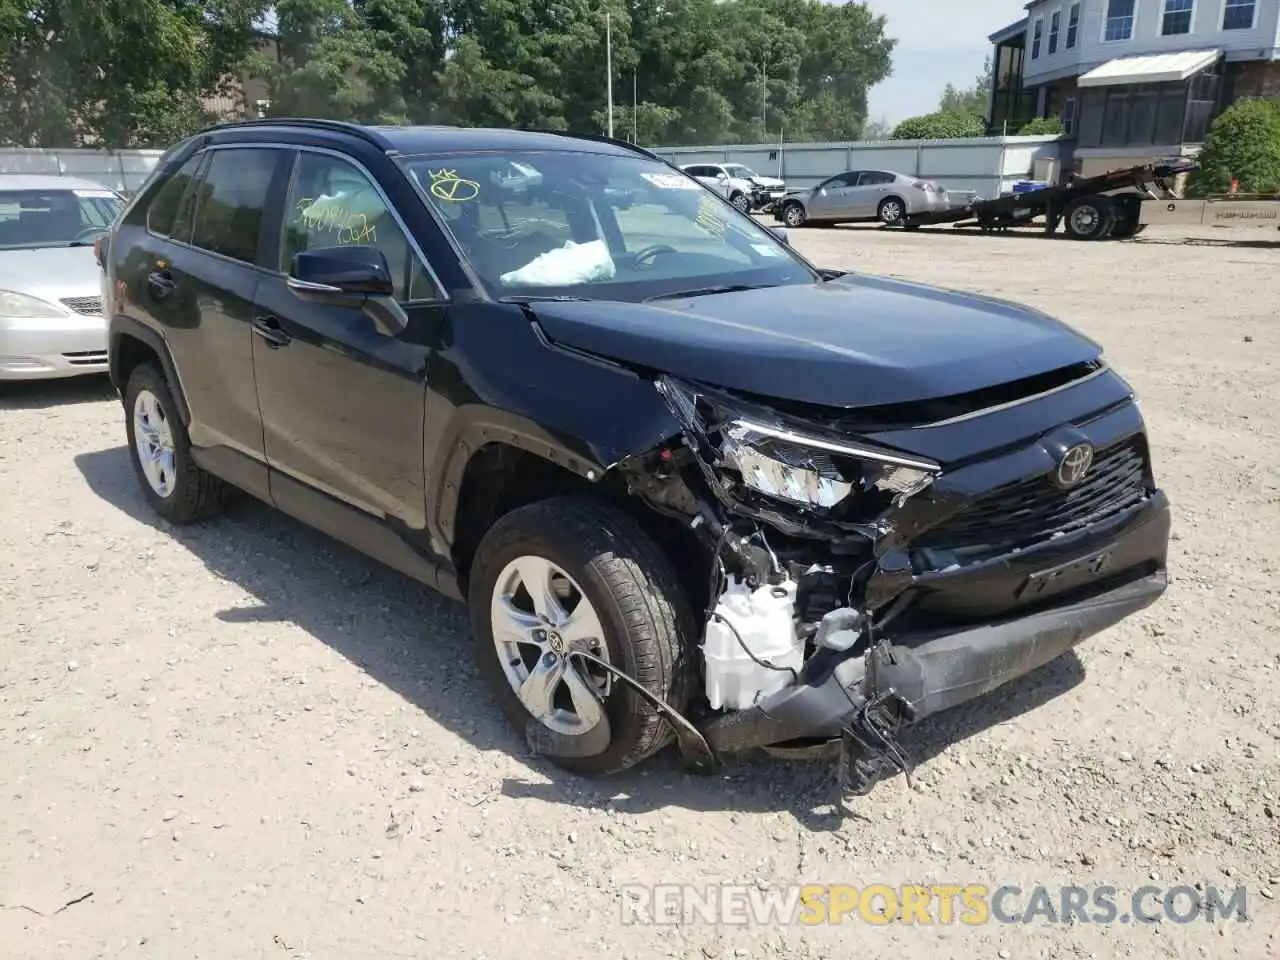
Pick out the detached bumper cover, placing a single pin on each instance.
(936, 671)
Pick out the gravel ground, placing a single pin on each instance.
(244, 740)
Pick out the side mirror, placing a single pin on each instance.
(351, 275)
(722, 176)
(781, 234)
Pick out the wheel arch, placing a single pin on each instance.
(131, 343)
(491, 462)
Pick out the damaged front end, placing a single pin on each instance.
(847, 599)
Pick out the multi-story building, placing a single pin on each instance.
(1133, 80)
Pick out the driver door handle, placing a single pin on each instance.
(268, 328)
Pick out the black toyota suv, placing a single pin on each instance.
(691, 486)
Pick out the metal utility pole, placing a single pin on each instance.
(764, 95)
(635, 102)
(608, 62)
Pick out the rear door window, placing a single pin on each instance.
(875, 178)
(231, 201)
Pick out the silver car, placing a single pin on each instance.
(862, 195)
(51, 322)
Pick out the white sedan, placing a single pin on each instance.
(51, 322)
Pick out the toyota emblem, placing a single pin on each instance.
(1075, 465)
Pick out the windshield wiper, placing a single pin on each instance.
(543, 299)
(708, 291)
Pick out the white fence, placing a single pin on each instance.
(116, 170)
(987, 166)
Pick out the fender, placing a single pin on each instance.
(499, 380)
(474, 427)
(122, 326)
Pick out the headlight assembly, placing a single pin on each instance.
(14, 304)
(785, 461)
(815, 472)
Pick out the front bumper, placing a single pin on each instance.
(936, 670)
(44, 349)
(764, 197)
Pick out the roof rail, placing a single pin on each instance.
(335, 126)
(600, 138)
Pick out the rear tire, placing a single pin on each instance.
(160, 449)
(601, 556)
(891, 211)
(1128, 211)
(1089, 218)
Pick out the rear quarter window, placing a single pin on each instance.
(169, 213)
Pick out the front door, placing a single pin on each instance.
(834, 200)
(342, 404)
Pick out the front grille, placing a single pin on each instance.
(1032, 511)
(89, 306)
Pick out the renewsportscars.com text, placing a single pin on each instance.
(941, 904)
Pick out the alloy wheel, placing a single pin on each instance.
(539, 616)
(153, 443)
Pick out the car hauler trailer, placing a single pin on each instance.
(1109, 206)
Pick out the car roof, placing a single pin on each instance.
(46, 181)
(411, 140)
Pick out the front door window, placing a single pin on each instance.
(332, 203)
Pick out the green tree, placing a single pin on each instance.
(116, 73)
(971, 100)
(1243, 144)
(939, 126)
(1042, 126)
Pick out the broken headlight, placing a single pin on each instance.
(785, 461)
(816, 472)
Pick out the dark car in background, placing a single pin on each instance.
(689, 484)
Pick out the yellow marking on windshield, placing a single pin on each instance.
(448, 186)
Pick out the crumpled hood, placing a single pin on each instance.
(856, 341)
(770, 182)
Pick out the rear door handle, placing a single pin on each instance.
(268, 328)
(160, 284)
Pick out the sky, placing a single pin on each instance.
(939, 42)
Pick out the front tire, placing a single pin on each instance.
(175, 487)
(793, 215)
(566, 573)
(741, 202)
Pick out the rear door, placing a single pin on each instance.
(873, 186)
(195, 273)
